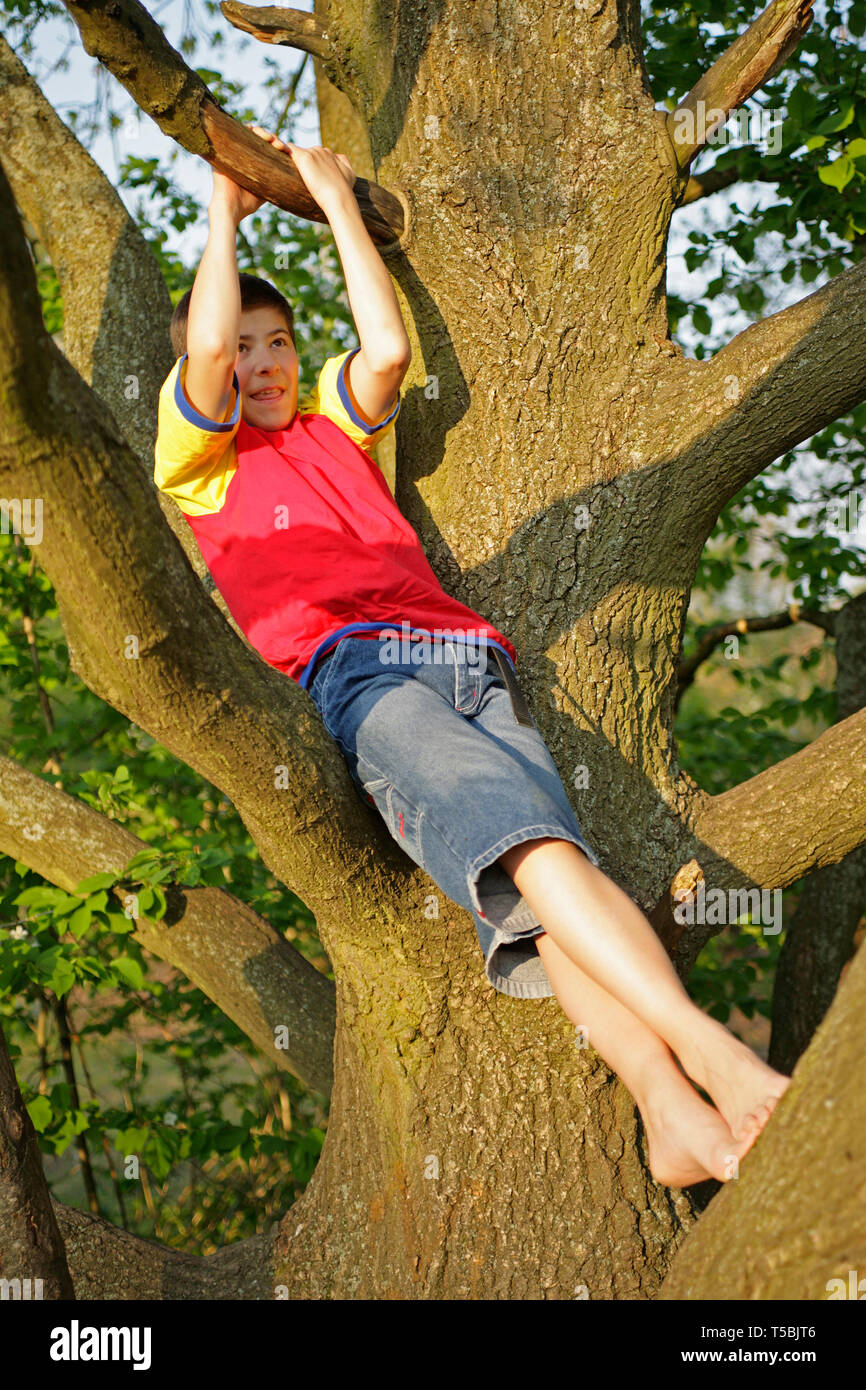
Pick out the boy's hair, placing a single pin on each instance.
(255, 294)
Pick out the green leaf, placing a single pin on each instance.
(41, 897)
(801, 105)
(80, 921)
(129, 970)
(838, 121)
(96, 881)
(119, 923)
(145, 901)
(40, 1111)
(838, 174)
(62, 977)
(131, 1141)
(229, 1138)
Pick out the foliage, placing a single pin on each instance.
(805, 139)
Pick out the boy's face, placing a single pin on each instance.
(267, 368)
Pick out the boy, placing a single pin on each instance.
(322, 572)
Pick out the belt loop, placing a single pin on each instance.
(450, 646)
(518, 703)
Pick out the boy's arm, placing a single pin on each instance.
(376, 371)
(214, 320)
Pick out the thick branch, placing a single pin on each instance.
(131, 45)
(806, 811)
(108, 1263)
(234, 956)
(714, 180)
(277, 24)
(751, 60)
(116, 307)
(819, 937)
(773, 386)
(31, 1246)
(739, 627)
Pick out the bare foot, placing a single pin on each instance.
(688, 1140)
(743, 1087)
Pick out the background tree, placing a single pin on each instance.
(523, 181)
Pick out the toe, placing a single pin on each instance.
(748, 1128)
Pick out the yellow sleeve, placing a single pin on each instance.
(195, 458)
(331, 396)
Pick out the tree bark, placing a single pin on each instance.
(745, 66)
(116, 307)
(32, 1254)
(108, 1263)
(131, 45)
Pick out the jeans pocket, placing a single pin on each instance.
(404, 821)
(376, 791)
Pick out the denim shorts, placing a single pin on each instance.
(434, 744)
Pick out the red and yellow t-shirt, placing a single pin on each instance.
(298, 526)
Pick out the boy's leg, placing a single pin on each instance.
(606, 935)
(688, 1140)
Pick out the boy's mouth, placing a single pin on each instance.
(267, 393)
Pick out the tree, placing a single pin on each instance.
(525, 184)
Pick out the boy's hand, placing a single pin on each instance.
(239, 201)
(325, 174)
